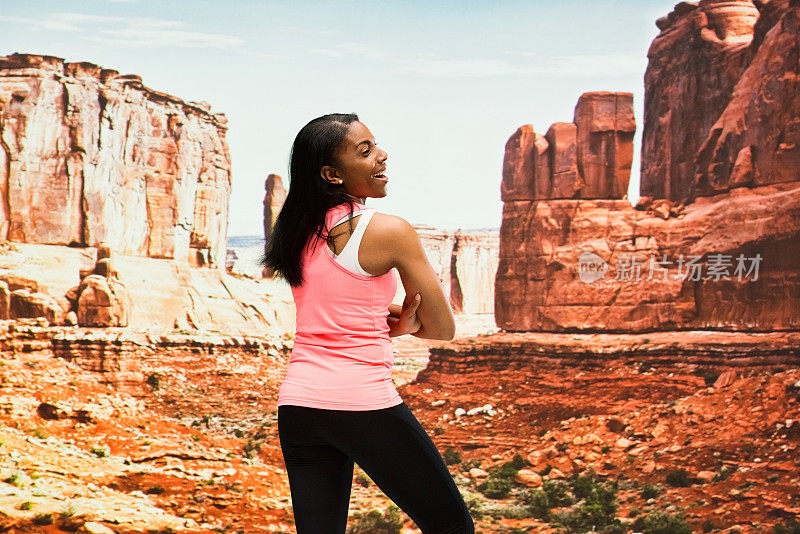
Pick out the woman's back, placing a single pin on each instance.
(342, 356)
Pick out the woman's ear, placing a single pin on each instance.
(329, 174)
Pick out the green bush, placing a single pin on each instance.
(659, 522)
(589, 517)
(790, 526)
(596, 508)
(707, 526)
(363, 479)
(27, 505)
(724, 472)
(101, 451)
(557, 493)
(537, 502)
(514, 511)
(154, 381)
(498, 484)
(469, 464)
(475, 504)
(678, 478)
(375, 522)
(43, 519)
(451, 456)
(650, 491)
(495, 487)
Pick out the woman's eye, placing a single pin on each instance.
(365, 154)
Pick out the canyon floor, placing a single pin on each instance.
(195, 449)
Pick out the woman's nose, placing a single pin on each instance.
(385, 156)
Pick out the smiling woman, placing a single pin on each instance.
(337, 404)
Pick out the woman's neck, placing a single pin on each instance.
(357, 199)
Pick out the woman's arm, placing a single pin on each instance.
(418, 276)
(403, 319)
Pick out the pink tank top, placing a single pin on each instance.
(342, 356)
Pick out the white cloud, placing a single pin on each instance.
(131, 32)
(515, 64)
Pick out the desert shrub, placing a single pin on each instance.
(43, 519)
(27, 505)
(154, 381)
(557, 493)
(724, 472)
(451, 456)
(101, 451)
(790, 526)
(498, 484)
(650, 491)
(678, 478)
(495, 487)
(375, 522)
(469, 464)
(363, 479)
(476, 505)
(660, 522)
(537, 503)
(596, 507)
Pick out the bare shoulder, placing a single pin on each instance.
(394, 235)
(389, 226)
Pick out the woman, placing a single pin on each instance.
(337, 403)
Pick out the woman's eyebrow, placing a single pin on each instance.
(367, 141)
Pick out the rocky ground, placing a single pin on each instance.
(195, 449)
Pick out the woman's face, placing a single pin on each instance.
(361, 166)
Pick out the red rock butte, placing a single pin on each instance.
(714, 241)
(90, 156)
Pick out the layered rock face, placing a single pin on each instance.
(89, 156)
(714, 243)
(720, 99)
(587, 158)
(467, 264)
(756, 139)
(273, 201)
(725, 262)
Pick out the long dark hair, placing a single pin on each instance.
(310, 196)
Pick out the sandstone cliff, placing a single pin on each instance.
(90, 156)
(720, 99)
(714, 243)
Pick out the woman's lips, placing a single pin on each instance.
(381, 177)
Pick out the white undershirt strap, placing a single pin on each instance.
(348, 257)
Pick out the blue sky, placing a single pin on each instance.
(441, 84)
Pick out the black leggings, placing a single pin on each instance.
(320, 445)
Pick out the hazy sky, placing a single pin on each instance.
(441, 84)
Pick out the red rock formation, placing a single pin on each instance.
(89, 155)
(467, 265)
(565, 181)
(568, 265)
(588, 158)
(727, 261)
(756, 139)
(273, 201)
(694, 64)
(605, 128)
